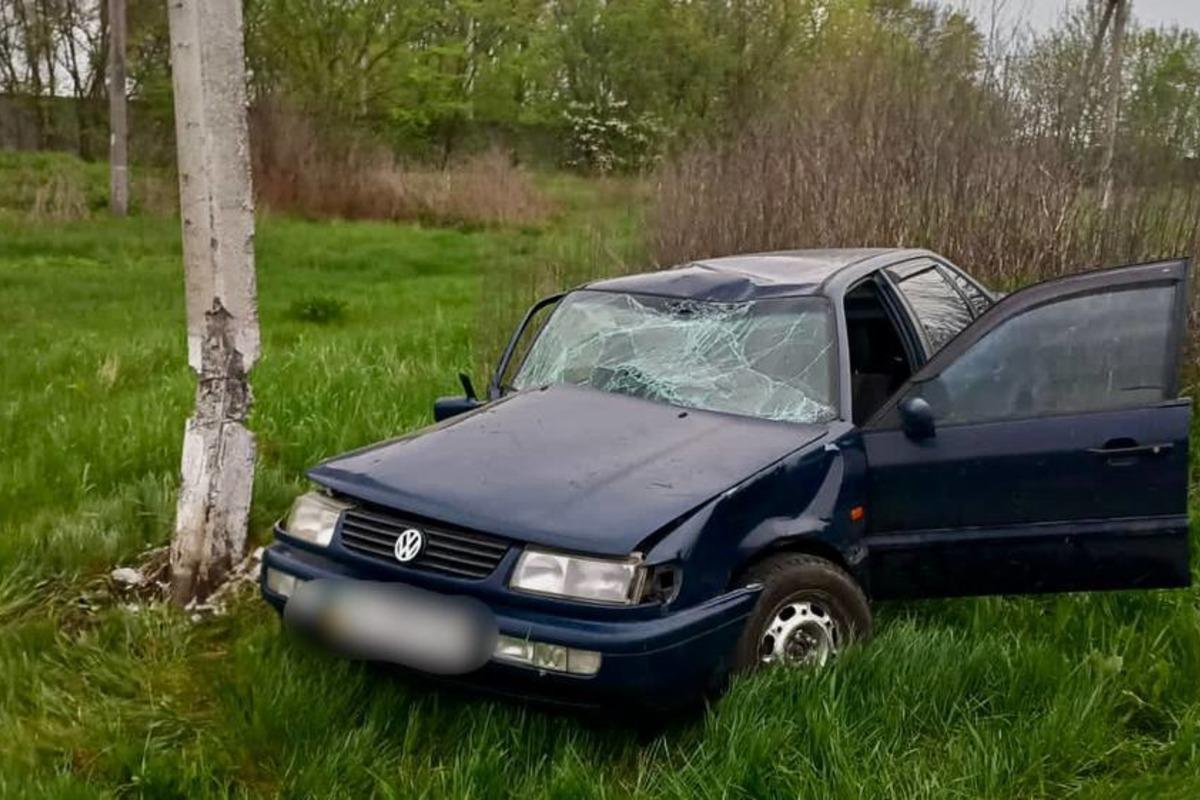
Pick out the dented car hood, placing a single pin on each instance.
(564, 466)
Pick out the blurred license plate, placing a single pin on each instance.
(442, 634)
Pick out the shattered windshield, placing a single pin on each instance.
(768, 358)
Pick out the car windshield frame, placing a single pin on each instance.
(802, 303)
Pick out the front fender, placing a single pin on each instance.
(802, 502)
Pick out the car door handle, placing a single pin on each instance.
(1132, 450)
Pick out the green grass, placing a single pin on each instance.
(1080, 695)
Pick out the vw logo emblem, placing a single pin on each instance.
(408, 545)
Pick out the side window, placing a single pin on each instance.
(1083, 353)
(940, 309)
(978, 300)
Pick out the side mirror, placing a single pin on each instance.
(468, 387)
(916, 418)
(447, 407)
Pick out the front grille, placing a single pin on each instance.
(451, 551)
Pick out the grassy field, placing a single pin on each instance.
(363, 325)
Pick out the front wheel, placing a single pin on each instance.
(809, 610)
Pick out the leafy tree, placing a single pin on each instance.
(1162, 119)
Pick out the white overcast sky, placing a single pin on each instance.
(1042, 14)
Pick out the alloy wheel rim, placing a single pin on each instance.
(801, 633)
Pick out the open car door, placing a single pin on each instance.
(1044, 449)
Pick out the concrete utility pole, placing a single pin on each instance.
(118, 116)
(216, 203)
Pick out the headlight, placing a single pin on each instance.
(313, 517)
(599, 580)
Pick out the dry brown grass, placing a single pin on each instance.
(298, 170)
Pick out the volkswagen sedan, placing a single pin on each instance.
(678, 475)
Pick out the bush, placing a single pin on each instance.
(300, 170)
(611, 137)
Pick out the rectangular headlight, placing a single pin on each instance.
(599, 580)
(313, 518)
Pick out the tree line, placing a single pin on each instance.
(595, 84)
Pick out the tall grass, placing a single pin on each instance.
(51, 187)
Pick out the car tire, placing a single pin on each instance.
(809, 610)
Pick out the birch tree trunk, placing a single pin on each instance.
(1083, 90)
(1113, 105)
(216, 204)
(118, 117)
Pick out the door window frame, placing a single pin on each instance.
(915, 266)
(1173, 273)
(954, 274)
(906, 327)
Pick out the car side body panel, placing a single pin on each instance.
(1022, 506)
(1091, 495)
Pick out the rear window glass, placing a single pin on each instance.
(938, 307)
(978, 300)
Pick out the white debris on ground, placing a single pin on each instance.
(145, 582)
(149, 582)
(128, 577)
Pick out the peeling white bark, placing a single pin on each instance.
(216, 205)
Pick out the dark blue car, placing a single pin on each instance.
(686, 473)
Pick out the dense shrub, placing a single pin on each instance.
(300, 169)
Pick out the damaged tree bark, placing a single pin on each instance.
(216, 205)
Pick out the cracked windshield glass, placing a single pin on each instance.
(769, 358)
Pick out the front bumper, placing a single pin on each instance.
(664, 661)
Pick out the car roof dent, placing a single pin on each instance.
(758, 276)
